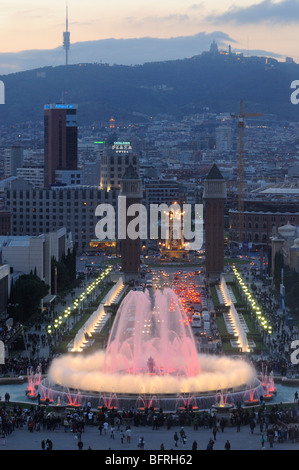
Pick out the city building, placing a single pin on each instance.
(5, 222)
(265, 210)
(131, 188)
(37, 211)
(4, 287)
(115, 161)
(214, 196)
(224, 139)
(286, 242)
(25, 254)
(60, 140)
(161, 191)
(91, 173)
(14, 159)
(68, 177)
(34, 175)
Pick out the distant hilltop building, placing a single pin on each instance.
(214, 48)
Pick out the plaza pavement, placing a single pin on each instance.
(22, 439)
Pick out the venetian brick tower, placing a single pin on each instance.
(131, 188)
(214, 196)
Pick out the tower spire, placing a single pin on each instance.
(66, 36)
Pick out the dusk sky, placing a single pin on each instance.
(269, 25)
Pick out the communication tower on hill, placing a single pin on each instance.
(66, 37)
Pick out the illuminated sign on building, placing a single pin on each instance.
(60, 106)
(122, 147)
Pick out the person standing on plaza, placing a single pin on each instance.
(227, 445)
(106, 425)
(128, 434)
(210, 445)
(271, 439)
(80, 445)
(49, 444)
(252, 425)
(141, 443)
(176, 438)
(66, 425)
(222, 424)
(182, 433)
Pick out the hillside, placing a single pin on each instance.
(178, 87)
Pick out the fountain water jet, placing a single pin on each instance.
(34, 379)
(151, 351)
(151, 338)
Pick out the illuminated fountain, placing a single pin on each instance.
(34, 380)
(250, 398)
(151, 352)
(46, 397)
(267, 381)
(271, 384)
(109, 402)
(147, 402)
(221, 402)
(186, 402)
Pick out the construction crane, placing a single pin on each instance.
(241, 116)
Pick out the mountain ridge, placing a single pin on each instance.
(178, 87)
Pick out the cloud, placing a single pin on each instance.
(159, 19)
(286, 11)
(196, 6)
(117, 51)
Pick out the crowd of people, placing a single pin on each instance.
(277, 424)
(18, 366)
(7, 332)
(278, 355)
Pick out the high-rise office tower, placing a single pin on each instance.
(214, 196)
(14, 160)
(114, 163)
(224, 139)
(60, 139)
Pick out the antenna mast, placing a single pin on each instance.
(66, 36)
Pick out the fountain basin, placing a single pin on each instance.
(151, 351)
(168, 402)
(252, 402)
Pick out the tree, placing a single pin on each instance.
(63, 277)
(278, 265)
(26, 296)
(292, 298)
